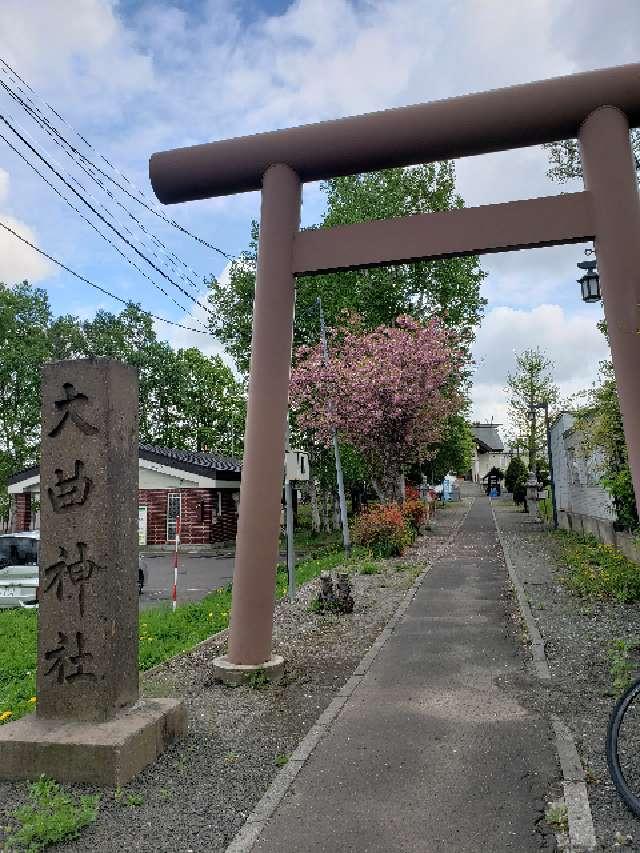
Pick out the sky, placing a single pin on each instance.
(135, 77)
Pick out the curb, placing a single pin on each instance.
(540, 663)
(582, 836)
(250, 831)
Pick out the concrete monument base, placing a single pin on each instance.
(110, 753)
(235, 674)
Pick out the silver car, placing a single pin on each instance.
(19, 572)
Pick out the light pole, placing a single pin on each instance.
(545, 407)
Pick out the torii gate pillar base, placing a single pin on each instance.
(235, 674)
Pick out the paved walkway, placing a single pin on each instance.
(430, 753)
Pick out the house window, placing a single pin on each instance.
(219, 503)
(173, 514)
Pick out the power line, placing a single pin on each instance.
(91, 196)
(77, 157)
(140, 198)
(100, 216)
(89, 223)
(97, 286)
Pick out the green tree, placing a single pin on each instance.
(212, 404)
(516, 473)
(454, 452)
(564, 157)
(24, 321)
(530, 385)
(450, 288)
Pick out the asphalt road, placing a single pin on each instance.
(197, 576)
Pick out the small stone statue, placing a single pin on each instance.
(343, 590)
(327, 597)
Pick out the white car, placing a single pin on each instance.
(19, 572)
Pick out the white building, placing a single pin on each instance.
(490, 451)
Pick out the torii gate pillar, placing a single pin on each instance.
(609, 175)
(250, 642)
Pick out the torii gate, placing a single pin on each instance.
(598, 107)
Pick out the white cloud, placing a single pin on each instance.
(4, 186)
(571, 341)
(18, 261)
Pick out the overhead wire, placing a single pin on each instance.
(140, 198)
(100, 216)
(89, 223)
(97, 286)
(89, 168)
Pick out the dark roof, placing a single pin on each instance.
(191, 460)
(488, 437)
(206, 464)
(27, 474)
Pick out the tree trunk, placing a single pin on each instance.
(315, 512)
(336, 513)
(324, 509)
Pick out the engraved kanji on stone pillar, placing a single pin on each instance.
(88, 621)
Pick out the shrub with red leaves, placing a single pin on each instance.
(384, 529)
(414, 510)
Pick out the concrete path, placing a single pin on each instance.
(431, 753)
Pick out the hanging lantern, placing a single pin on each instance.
(590, 282)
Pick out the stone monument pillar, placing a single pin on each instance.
(87, 676)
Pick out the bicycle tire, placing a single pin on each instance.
(628, 796)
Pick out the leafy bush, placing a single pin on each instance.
(383, 529)
(414, 511)
(596, 570)
(516, 473)
(519, 493)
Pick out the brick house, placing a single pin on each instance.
(202, 489)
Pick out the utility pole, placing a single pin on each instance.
(552, 484)
(343, 504)
(288, 497)
(532, 435)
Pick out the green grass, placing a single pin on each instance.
(595, 570)
(18, 637)
(49, 816)
(163, 634)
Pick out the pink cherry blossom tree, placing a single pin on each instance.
(386, 391)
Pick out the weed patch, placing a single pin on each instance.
(623, 663)
(50, 816)
(557, 817)
(595, 570)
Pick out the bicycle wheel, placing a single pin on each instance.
(623, 747)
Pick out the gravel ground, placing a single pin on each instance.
(577, 635)
(196, 797)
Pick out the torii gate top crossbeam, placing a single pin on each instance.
(514, 117)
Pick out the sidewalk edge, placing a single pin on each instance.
(582, 836)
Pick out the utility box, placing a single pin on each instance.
(296, 465)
